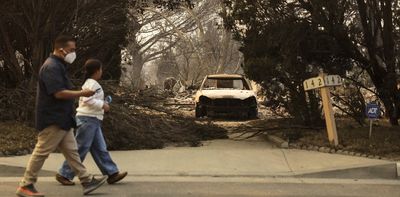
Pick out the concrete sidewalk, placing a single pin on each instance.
(221, 168)
(226, 158)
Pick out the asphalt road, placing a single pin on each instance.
(243, 187)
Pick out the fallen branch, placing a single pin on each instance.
(264, 130)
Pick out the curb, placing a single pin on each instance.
(16, 153)
(336, 151)
(278, 141)
(281, 143)
(377, 171)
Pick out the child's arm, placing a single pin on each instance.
(96, 103)
(106, 107)
(93, 101)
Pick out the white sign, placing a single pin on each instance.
(333, 80)
(319, 82)
(313, 83)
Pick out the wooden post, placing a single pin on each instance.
(370, 128)
(329, 114)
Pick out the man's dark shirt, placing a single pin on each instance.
(50, 110)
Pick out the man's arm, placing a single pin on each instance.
(70, 94)
(55, 85)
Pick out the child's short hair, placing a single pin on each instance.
(91, 67)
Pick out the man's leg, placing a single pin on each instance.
(84, 138)
(48, 140)
(69, 148)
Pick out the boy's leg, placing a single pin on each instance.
(66, 171)
(84, 138)
(101, 155)
(69, 149)
(48, 140)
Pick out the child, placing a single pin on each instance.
(89, 135)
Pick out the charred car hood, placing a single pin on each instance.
(233, 94)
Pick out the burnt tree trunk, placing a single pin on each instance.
(377, 25)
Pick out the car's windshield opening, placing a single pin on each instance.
(237, 84)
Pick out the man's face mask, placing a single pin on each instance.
(70, 57)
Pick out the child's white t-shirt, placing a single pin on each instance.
(92, 106)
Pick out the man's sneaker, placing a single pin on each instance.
(63, 180)
(93, 184)
(28, 191)
(116, 177)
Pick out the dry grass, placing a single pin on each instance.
(16, 138)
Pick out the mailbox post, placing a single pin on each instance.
(324, 82)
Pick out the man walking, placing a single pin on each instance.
(54, 120)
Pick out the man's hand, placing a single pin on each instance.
(87, 93)
(71, 94)
(106, 107)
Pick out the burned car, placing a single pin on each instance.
(226, 94)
